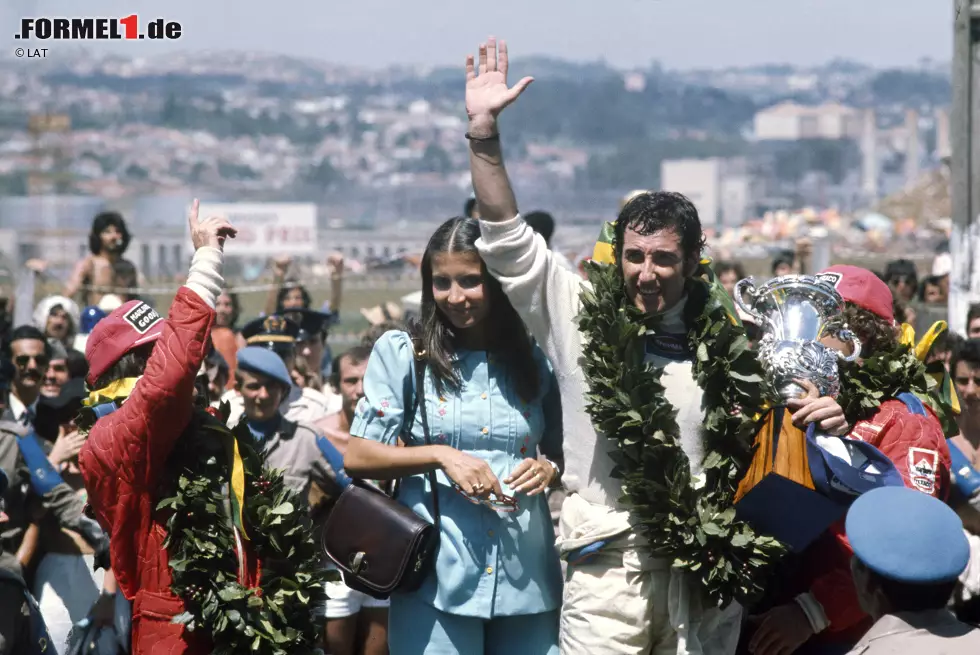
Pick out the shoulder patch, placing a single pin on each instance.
(923, 467)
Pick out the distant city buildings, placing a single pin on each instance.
(789, 121)
(721, 189)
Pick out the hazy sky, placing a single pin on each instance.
(679, 33)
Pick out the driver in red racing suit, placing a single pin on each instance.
(821, 612)
(126, 453)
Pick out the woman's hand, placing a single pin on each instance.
(472, 474)
(531, 476)
(822, 410)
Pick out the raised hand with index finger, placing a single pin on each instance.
(210, 232)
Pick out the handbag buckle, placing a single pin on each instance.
(358, 562)
(419, 562)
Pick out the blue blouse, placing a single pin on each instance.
(489, 563)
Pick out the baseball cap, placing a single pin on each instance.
(861, 287)
(128, 327)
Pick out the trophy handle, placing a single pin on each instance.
(743, 286)
(847, 335)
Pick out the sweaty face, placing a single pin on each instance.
(457, 286)
(224, 310)
(967, 380)
(59, 324)
(655, 269)
(351, 383)
(262, 396)
(111, 239)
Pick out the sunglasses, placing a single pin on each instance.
(23, 360)
(494, 502)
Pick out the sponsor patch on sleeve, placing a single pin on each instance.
(923, 465)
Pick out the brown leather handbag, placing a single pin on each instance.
(379, 545)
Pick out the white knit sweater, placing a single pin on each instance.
(547, 296)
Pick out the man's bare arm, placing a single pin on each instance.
(487, 94)
(81, 273)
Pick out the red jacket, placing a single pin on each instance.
(123, 463)
(917, 446)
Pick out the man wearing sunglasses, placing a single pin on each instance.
(30, 353)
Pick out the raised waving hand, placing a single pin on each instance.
(487, 93)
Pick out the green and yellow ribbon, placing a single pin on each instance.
(237, 484)
(118, 390)
(936, 370)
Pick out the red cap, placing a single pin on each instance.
(126, 328)
(863, 288)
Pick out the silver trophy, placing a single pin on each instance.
(794, 312)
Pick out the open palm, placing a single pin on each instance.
(487, 93)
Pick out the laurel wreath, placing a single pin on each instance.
(276, 618)
(883, 376)
(692, 524)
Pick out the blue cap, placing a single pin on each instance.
(904, 535)
(91, 315)
(263, 361)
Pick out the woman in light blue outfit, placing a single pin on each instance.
(495, 428)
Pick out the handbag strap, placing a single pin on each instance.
(420, 367)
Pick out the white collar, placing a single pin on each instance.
(18, 408)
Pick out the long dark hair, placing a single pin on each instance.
(509, 339)
(236, 307)
(284, 291)
(99, 225)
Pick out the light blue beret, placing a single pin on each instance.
(263, 361)
(904, 535)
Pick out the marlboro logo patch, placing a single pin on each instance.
(142, 317)
(923, 464)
